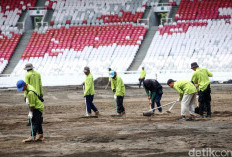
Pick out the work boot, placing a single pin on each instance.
(208, 116)
(123, 113)
(191, 119)
(88, 114)
(29, 139)
(39, 137)
(183, 118)
(200, 116)
(97, 113)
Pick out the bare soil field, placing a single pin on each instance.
(67, 134)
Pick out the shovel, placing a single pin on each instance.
(151, 112)
(32, 134)
(169, 110)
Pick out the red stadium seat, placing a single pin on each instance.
(78, 37)
(205, 9)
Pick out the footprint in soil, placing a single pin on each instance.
(103, 139)
(222, 113)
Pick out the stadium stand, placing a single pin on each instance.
(67, 50)
(175, 46)
(95, 11)
(8, 43)
(205, 9)
(202, 32)
(106, 33)
(10, 11)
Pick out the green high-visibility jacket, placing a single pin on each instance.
(33, 78)
(201, 76)
(118, 85)
(184, 87)
(33, 98)
(143, 74)
(113, 84)
(89, 85)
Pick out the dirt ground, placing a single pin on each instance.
(67, 134)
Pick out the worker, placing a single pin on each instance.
(142, 77)
(200, 78)
(115, 97)
(89, 93)
(33, 78)
(118, 88)
(187, 95)
(36, 110)
(154, 91)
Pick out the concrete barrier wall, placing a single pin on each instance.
(128, 78)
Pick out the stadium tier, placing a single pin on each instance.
(204, 9)
(175, 46)
(95, 11)
(108, 33)
(11, 5)
(8, 43)
(10, 11)
(67, 50)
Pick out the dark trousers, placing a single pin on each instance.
(37, 121)
(204, 101)
(157, 101)
(141, 81)
(120, 107)
(89, 104)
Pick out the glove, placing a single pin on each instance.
(27, 101)
(30, 115)
(114, 91)
(41, 95)
(115, 97)
(178, 100)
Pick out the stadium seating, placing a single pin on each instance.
(202, 33)
(68, 50)
(204, 9)
(95, 12)
(8, 43)
(103, 33)
(10, 11)
(179, 27)
(8, 5)
(175, 46)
